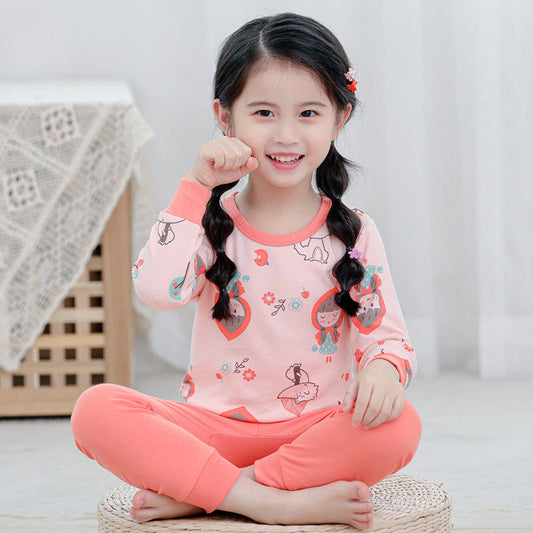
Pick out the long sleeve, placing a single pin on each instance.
(168, 271)
(378, 330)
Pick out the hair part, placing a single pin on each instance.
(304, 42)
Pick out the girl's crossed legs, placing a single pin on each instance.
(313, 469)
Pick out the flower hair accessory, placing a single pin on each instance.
(350, 76)
(354, 254)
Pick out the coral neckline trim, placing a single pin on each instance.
(276, 240)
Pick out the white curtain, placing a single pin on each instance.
(444, 137)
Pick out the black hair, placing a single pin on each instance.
(304, 42)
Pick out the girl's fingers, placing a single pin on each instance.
(397, 406)
(252, 164)
(213, 155)
(362, 401)
(374, 407)
(237, 152)
(349, 397)
(245, 148)
(237, 174)
(383, 415)
(223, 160)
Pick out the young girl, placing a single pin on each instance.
(272, 428)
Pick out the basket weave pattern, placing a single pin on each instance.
(402, 504)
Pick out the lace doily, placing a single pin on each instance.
(67, 152)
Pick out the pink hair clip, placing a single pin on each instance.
(350, 76)
(354, 254)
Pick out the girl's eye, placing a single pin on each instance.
(308, 113)
(264, 113)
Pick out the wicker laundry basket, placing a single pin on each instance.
(402, 504)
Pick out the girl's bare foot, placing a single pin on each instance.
(148, 505)
(341, 502)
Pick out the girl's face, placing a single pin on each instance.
(328, 318)
(287, 119)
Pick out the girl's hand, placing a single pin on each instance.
(222, 160)
(377, 394)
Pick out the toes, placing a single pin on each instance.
(362, 508)
(362, 521)
(142, 515)
(151, 499)
(361, 490)
(139, 500)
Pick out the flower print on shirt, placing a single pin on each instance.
(249, 375)
(269, 298)
(295, 398)
(327, 317)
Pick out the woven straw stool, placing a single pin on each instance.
(402, 504)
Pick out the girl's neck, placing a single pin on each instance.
(278, 211)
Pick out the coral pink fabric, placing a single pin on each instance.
(195, 456)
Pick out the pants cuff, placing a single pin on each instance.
(267, 471)
(213, 484)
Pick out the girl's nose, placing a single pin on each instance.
(286, 132)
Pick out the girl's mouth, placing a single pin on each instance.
(285, 161)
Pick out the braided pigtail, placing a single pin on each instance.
(332, 179)
(218, 227)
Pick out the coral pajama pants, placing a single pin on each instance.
(195, 456)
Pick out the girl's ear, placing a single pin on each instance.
(342, 117)
(222, 115)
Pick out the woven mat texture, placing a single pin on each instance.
(402, 503)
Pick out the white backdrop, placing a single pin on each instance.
(444, 137)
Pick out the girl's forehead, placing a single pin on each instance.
(283, 80)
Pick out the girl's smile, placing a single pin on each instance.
(285, 161)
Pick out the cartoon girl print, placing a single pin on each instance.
(199, 266)
(327, 317)
(240, 313)
(295, 398)
(176, 285)
(165, 231)
(371, 306)
(187, 386)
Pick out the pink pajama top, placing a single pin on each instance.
(287, 348)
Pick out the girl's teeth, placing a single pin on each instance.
(284, 159)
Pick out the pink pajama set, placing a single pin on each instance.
(265, 386)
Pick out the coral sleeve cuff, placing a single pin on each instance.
(190, 201)
(398, 362)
